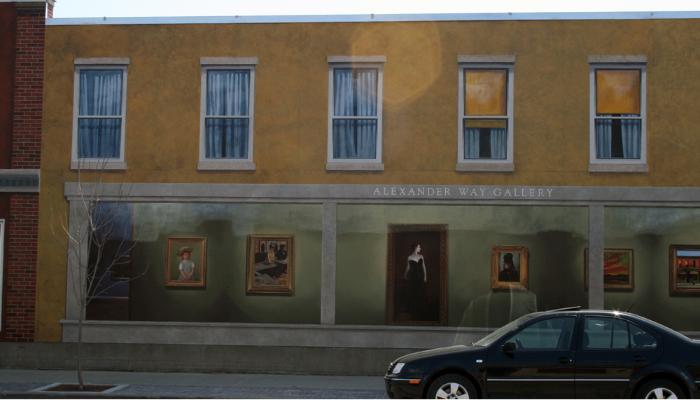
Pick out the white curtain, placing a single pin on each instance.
(471, 143)
(498, 143)
(631, 138)
(100, 95)
(603, 138)
(631, 135)
(227, 120)
(355, 95)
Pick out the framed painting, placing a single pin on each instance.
(509, 267)
(186, 262)
(684, 270)
(417, 275)
(270, 267)
(618, 269)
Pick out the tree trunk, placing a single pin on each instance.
(81, 382)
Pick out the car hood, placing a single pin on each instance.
(441, 351)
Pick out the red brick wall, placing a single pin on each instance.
(29, 78)
(20, 267)
(8, 29)
(21, 229)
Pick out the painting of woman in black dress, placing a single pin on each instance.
(417, 285)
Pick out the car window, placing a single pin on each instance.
(548, 334)
(620, 335)
(600, 333)
(502, 331)
(641, 339)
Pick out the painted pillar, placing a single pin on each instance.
(596, 243)
(328, 245)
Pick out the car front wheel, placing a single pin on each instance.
(451, 386)
(659, 389)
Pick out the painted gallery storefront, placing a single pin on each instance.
(403, 266)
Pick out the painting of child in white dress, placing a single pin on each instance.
(186, 262)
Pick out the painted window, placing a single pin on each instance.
(99, 116)
(485, 136)
(227, 122)
(355, 110)
(618, 121)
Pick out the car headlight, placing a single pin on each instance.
(397, 368)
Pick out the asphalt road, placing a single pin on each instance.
(23, 383)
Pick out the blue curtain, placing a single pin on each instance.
(498, 143)
(355, 95)
(100, 95)
(227, 121)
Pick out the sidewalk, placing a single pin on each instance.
(20, 383)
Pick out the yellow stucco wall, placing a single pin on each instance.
(551, 106)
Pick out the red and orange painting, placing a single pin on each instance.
(618, 269)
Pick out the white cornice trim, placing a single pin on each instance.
(486, 58)
(282, 19)
(632, 59)
(356, 59)
(228, 60)
(103, 61)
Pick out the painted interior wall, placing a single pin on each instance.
(650, 232)
(555, 237)
(551, 108)
(226, 227)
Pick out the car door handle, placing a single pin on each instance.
(565, 360)
(639, 359)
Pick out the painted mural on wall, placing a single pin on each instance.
(684, 270)
(186, 262)
(509, 267)
(270, 268)
(618, 269)
(417, 274)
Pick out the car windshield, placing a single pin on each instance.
(502, 331)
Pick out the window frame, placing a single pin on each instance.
(617, 164)
(226, 64)
(356, 164)
(488, 63)
(81, 64)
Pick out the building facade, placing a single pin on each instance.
(367, 182)
(21, 94)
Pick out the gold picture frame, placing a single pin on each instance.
(186, 261)
(509, 267)
(618, 269)
(270, 264)
(684, 270)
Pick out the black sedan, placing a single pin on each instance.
(563, 353)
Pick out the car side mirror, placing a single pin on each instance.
(508, 348)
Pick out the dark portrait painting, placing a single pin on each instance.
(509, 267)
(417, 275)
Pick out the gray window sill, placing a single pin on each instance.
(226, 165)
(354, 166)
(481, 166)
(618, 167)
(98, 164)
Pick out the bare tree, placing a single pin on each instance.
(97, 249)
